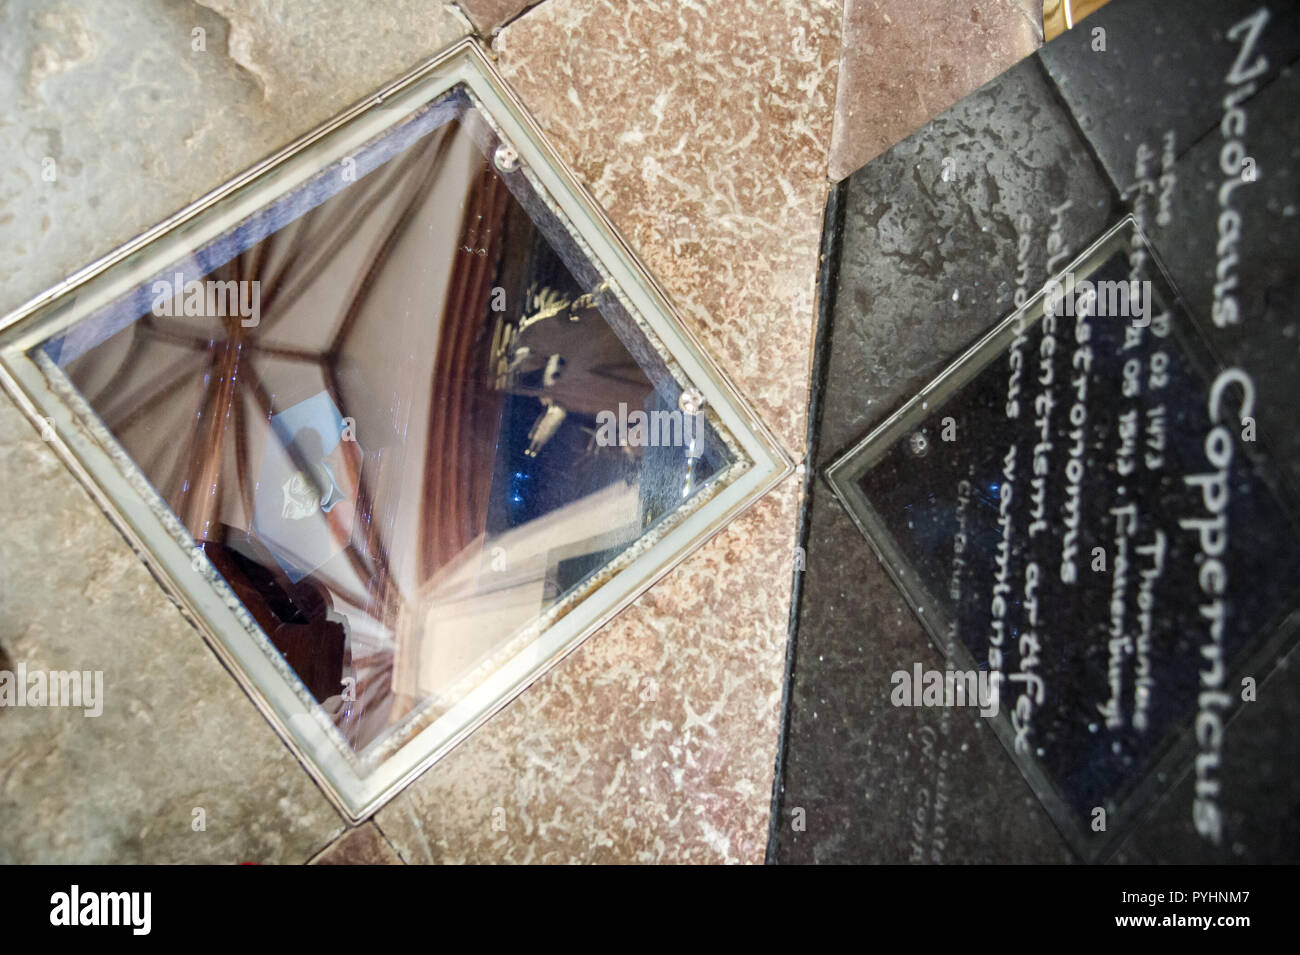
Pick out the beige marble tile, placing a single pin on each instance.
(119, 112)
(364, 845)
(653, 742)
(702, 129)
(179, 766)
(906, 61)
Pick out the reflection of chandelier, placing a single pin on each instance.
(542, 304)
(548, 303)
(511, 356)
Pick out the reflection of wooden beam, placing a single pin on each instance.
(242, 463)
(457, 474)
(141, 402)
(288, 354)
(408, 206)
(127, 365)
(149, 327)
(373, 544)
(335, 231)
(204, 492)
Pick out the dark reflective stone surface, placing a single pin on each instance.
(932, 246)
(1085, 510)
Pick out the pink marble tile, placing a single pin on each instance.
(489, 15)
(906, 61)
(653, 742)
(364, 845)
(702, 129)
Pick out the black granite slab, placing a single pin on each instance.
(943, 236)
(1158, 66)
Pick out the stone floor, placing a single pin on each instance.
(710, 132)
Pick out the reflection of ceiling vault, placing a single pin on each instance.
(328, 281)
(287, 263)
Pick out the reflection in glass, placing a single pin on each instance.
(402, 413)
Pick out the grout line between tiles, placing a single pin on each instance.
(832, 231)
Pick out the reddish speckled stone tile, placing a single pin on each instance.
(488, 15)
(702, 129)
(653, 742)
(906, 61)
(364, 845)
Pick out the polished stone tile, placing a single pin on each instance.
(905, 61)
(931, 242)
(364, 845)
(1149, 73)
(929, 261)
(927, 264)
(1181, 216)
(176, 736)
(1262, 792)
(653, 742)
(490, 15)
